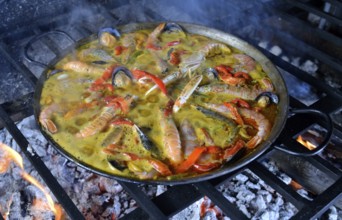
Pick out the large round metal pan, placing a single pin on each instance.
(223, 37)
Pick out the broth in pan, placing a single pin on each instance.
(157, 104)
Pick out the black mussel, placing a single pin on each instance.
(265, 98)
(171, 27)
(113, 31)
(53, 72)
(117, 71)
(99, 62)
(119, 165)
(146, 142)
(212, 73)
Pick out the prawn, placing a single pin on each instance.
(191, 63)
(171, 139)
(99, 123)
(82, 67)
(261, 124)
(187, 92)
(45, 117)
(258, 120)
(242, 92)
(152, 40)
(188, 137)
(245, 62)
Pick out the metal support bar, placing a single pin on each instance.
(286, 191)
(41, 168)
(20, 67)
(321, 203)
(144, 202)
(174, 200)
(218, 199)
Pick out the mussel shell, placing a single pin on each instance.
(55, 71)
(118, 69)
(117, 165)
(146, 142)
(99, 62)
(112, 31)
(212, 72)
(273, 97)
(171, 27)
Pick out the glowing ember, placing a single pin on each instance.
(305, 143)
(7, 155)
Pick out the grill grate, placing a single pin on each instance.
(177, 198)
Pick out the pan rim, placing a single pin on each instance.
(283, 106)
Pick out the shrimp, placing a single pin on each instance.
(99, 123)
(188, 137)
(191, 63)
(262, 125)
(260, 122)
(171, 139)
(152, 40)
(45, 117)
(82, 67)
(187, 92)
(241, 92)
(245, 62)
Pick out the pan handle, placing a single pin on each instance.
(321, 146)
(38, 37)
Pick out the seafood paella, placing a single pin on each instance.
(157, 104)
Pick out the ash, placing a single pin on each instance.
(95, 196)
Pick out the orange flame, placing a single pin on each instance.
(8, 155)
(305, 143)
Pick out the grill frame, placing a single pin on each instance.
(176, 194)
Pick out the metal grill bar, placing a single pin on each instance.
(43, 171)
(278, 185)
(170, 202)
(144, 202)
(321, 203)
(19, 108)
(305, 27)
(20, 67)
(313, 10)
(325, 167)
(302, 75)
(218, 199)
(309, 50)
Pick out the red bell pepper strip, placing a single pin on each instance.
(173, 43)
(191, 160)
(108, 73)
(230, 152)
(140, 73)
